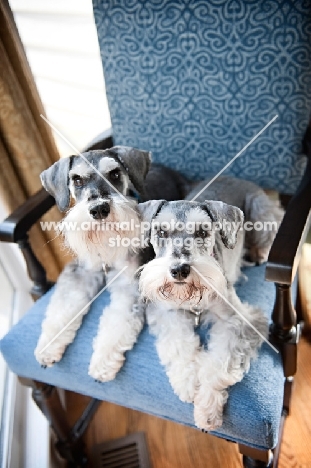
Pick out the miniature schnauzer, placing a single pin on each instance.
(100, 229)
(257, 207)
(198, 247)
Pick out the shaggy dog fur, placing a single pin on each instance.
(103, 188)
(197, 278)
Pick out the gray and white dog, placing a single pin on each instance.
(192, 275)
(102, 187)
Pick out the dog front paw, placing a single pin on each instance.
(104, 368)
(48, 353)
(208, 421)
(183, 381)
(184, 394)
(208, 409)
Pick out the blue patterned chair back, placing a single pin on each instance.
(193, 81)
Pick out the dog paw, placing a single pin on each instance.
(185, 395)
(183, 382)
(104, 369)
(208, 409)
(48, 354)
(208, 421)
(259, 255)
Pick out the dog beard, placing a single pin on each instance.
(203, 284)
(98, 242)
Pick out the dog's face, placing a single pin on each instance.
(99, 186)
(185, 272)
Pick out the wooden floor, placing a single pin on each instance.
(174, 446)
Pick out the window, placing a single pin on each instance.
(61, 44)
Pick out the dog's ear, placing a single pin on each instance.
(55, 181)
(230, 220)
(148, 210)
(136, 162)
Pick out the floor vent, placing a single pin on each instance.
(127, 452)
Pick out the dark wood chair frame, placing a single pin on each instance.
(284, 333)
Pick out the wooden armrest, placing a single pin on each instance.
(286, 249)
(282, 267)
(15, 227)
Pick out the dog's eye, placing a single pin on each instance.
(77, 181)
(162, 234)
(115, 174)
(201, 233)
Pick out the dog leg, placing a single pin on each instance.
(118, 329)
(177, 346)
(74, 289)
(232, 345)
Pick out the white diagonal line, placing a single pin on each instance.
(235, 309)
(235, 157)
(79, 313)
(83, 157)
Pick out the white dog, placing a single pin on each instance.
(192, 275)
(103, 229)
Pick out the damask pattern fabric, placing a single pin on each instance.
(194, 81)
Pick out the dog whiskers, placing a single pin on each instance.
(166, 289)
(187, 292)
(92, 237)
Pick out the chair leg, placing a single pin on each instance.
(47, 399)
(68, 444)
(255, 458)
(298, 305)
(249, 462)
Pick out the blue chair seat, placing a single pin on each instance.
(250, 417)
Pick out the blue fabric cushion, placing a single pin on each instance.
(194, 81)
(253, 411)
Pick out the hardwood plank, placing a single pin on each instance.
(296, 446)
(170, 445)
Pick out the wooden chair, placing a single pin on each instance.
(193, 82)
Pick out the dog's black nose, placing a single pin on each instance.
(180, 272)
(100, 211)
